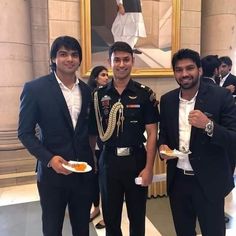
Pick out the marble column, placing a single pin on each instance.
(40, 38)
(219, 29)
(15, 67)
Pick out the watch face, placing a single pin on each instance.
(209, 127)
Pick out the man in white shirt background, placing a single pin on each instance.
(227, 80)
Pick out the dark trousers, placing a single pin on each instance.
(188, 203)
(117, 180)
(96, 199)
(54, 201)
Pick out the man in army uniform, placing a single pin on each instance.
(124, 110)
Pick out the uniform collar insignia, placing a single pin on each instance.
(105, 98)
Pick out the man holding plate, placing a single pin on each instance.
(58, 106)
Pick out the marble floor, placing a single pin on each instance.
(23, 200)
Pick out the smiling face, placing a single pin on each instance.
(187, 74)
(121, 64)
(67, 61)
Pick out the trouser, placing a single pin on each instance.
(96, 199)
(188, 203)
(54, 201)
(117, 180)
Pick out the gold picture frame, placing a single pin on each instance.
(86, 42)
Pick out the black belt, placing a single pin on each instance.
(185, 172)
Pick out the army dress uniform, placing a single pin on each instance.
(121, 123)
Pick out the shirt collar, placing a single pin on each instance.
(61, 83)
(188, 101)
(225, 77)
(210, 78)
(130, 85)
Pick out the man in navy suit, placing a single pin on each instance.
(210, 69)
(198, 118)
(58, 104)
(228, 80)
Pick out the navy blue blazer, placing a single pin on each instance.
(209, 159)
(230, 80)
(43, 104)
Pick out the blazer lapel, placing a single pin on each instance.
(58, 95)
(84, 107)
(175, 113)
(199, 105)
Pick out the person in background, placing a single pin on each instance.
(98, 78)
(124, 110)
(227, 79)
(199, 120)
(58, 104)
(210, 68)
(128, 25)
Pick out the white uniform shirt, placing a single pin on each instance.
(185, 107)
(73, 99)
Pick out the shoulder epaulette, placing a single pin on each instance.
(152, 95)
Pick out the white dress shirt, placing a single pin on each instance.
(185, 107)
(223, 80)
(73, 99)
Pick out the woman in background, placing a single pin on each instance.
(98, 78)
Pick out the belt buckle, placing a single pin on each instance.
(123, 151)
(188, 172)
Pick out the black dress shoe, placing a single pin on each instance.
(99, 225)
(136, 51)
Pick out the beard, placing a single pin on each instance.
(189, 82)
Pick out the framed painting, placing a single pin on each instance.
(159, 24)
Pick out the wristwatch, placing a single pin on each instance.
(209, 128)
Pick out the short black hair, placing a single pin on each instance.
(93, 75)
(226, 60)
(120, 46)
(209, 64)
(64, 41)
(186, 53)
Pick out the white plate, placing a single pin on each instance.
(176, 153)
(70, 168)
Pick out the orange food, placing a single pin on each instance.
(79, 167)
(169, 151)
